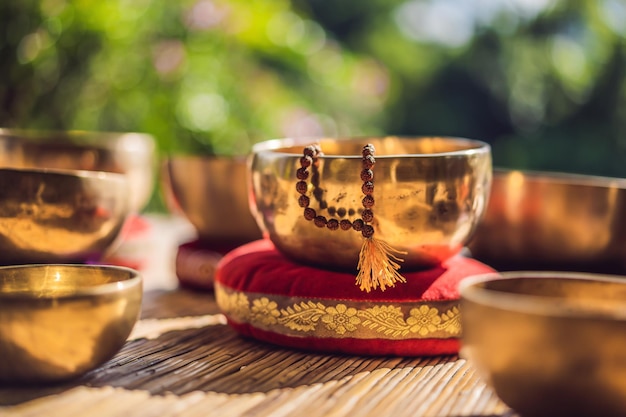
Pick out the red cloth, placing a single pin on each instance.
(135, 228)
(196, 262)
(258, 269)
(369, 347)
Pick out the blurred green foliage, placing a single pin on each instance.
(201, 76)
(542, 80)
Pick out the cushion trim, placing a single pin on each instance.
(330, 318)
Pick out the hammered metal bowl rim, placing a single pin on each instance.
(134, 279)
(106, 175)
(275, 146)
(563, 178)
(205, 157)
(472, 289)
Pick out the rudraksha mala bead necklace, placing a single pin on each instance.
(378, 266)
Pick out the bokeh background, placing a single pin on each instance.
(543, 81)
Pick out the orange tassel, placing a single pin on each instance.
(378, 266)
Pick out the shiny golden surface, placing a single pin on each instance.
(212, 193)
(550, 344)
(51, 216)
(430, 192)
(60, 321)
(131, 154)
(541, 220)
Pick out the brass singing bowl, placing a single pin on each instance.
(212, 193)
(430, 193)
(56, 216)
(131, 154)
(554, 221)
(548, 343)
(58, 322)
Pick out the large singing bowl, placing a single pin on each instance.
(553, 221)
(211, 192)
(550, 344)
(430, 193)
(131, 154)
(54, 216)
(58, 322)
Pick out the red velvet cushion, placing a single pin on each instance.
(271, 298)
(196, 262)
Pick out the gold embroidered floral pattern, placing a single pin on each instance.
(302, 317)
(265, 311)
(423, 320)
(236, 304)
(341, 318)
(385, 319)
(451, 321)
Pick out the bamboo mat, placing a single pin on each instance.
(183, 360)
(178, 364)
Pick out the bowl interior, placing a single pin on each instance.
(551, 293)
(57, 216)
(549, 343)
(53, 281)
(389, 146)
(128, 153)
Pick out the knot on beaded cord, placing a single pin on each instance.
(378, 266)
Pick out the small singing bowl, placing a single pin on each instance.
(212, 193)
(60, 216)
(553, 221)
(58, 322)
(429, 192)
(548, 343)
(128, 153)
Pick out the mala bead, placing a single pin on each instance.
(309, 213)
(302, 174)
(341, 212)
(345, 224)
(368, 150)
(367, 175)
(368, 231)
(316, 160)
(310, 158)
(358, 225)
(310, 151)
(306, 161)
(332, 224)
(320, 221)
(368, 161)
(304, 201)
(318, 193)
(367, 188)
(367, 215)
(302, 187)
(315, 178)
